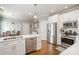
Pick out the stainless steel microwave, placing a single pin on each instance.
(70, 24)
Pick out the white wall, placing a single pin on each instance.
(22, 26)
(43, 27)
(25, 28)
(8, 26)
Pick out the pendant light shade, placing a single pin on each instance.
(35, 15)
(1, 9)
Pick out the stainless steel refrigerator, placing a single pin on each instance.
(52, 33)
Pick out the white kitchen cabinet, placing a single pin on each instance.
(6, 48)
(16, 47)
(38, 43)
(19, 47)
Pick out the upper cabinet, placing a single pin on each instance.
(70, 16)
(53, 18)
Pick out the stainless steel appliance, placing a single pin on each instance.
(67, 41)
(55, 33)
(70, 24)
(31, 44)
(48, 32)
(52, 33)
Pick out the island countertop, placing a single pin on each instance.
(31, 35)
(10, 38)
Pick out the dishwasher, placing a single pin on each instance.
(30, 44)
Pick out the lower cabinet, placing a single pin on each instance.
(19, 47)
(16, 47)
(31, 44)
(5, 49)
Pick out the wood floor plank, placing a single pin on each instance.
(47, 49)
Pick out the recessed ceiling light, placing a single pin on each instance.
(66, 7)
(52, 10)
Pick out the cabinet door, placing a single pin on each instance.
(20, 47)
(6, 49)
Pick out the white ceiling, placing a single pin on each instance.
(26, 11)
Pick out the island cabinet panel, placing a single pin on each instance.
(6, 48)
(19, 47)
(16, 47)
(38, 43)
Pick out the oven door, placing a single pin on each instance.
(67, 42)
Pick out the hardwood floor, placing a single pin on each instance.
(47, 49)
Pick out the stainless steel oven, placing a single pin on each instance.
(67, 41)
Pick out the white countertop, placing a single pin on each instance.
(18, 37)
(73, 50)
(29, 36)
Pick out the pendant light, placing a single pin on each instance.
(1, 9)
(35, 13)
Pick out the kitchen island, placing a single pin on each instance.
(17, 45)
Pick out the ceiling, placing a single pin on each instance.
(26, 11)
